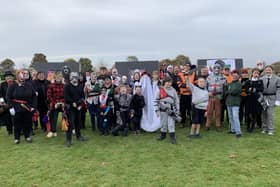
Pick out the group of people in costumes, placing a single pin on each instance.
(147, 103)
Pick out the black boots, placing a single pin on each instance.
(162, 136)
(173, 138)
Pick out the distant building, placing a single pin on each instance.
(127, 68)
(56, 66)
(234, 63)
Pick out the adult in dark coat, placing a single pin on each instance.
(21, 99)
(41, 87)
(5, 116)
(73, 98)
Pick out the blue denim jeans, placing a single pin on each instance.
(233, 115)
(93, 111)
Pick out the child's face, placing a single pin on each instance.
(256, 74)
(155, 76)
(138, 90)
(123, 90)
(168, 84)
(103, 91)
(201, 83)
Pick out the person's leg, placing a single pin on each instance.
(9, 124)
(42, 113)
(235, 116)
(210, 110)
(92, 116)
(171, 129)
(218, 112)
(17, 126)
(70, 127)
(183, 109)
(77, 124)
(189, 107)
(163, 124)
(264, 121)
(270, 119)
(231, 122)
(53, 120)
(83, 112)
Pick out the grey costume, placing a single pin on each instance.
(271, 94)
(168, 107)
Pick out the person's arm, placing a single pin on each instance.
(235, 90)
(277, 102)
(189, 84)
(9, 95)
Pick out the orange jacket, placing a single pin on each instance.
(182, 84)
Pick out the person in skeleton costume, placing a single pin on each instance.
(167, 107)
(122, 104)
(215, 86)
(92, 92)
(66, 73)
(73, 98)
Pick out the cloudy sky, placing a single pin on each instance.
(111, 30)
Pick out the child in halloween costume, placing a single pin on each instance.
(122, 104)
(136, 109)
(167, 107)
(103, 112)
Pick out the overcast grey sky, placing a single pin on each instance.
(111, 30)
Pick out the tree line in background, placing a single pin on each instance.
(86, 63)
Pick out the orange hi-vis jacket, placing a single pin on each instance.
(182, 84)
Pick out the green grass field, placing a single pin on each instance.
(217, 159)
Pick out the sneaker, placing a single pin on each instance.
(16, 141)
(231, 132)
(263, 132)
(54, 134)
(198, 136)
(49, 135)
(28, 140)
(73, 131)
(270, 133)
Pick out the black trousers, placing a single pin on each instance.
(22, 123)
(74, 119)
(185, 106)
(124, 127)
(83, 118)
(242, 110)
(53, 118)
(136, 120)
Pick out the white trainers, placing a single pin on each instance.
(270, 133)
(16, 141)
(50, 135)
(263, 132)
(54, 134)
(73, 131)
